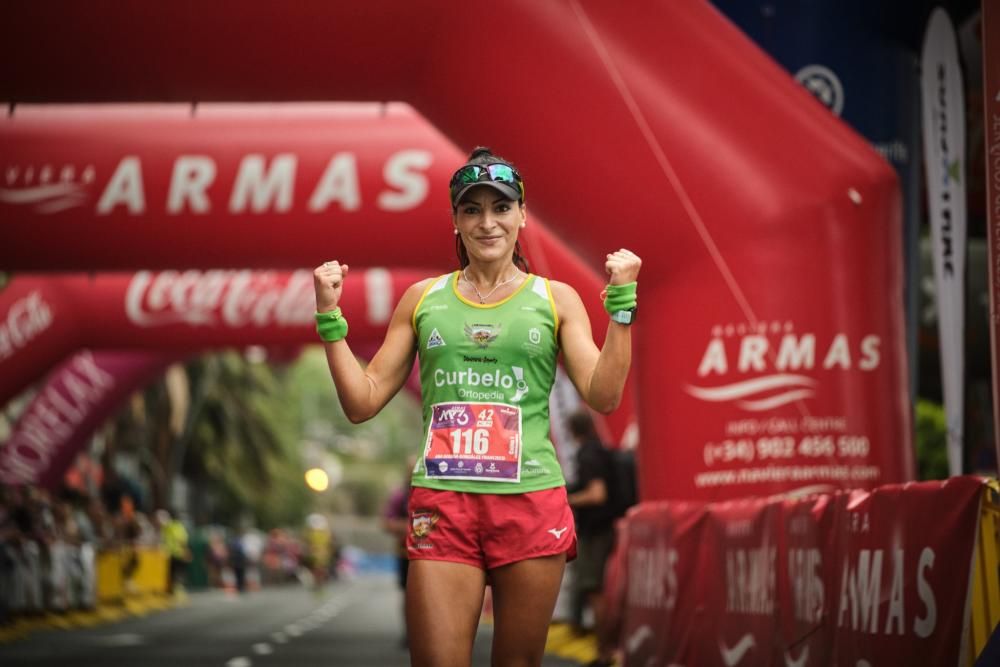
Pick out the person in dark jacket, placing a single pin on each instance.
(590, 496)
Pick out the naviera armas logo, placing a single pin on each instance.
(766, 365)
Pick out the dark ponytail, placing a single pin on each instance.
(484, 155)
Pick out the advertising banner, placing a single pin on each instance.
(898, 582)
(225, 189)
(78, 396)
(874, 578)
(944, 157)
(658, 567)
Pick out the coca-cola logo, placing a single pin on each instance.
(220, 298)
(26, 318)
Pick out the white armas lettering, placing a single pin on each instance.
(124, 189)
(262, 186)
(192, 176)
(750, 580)
(805, 568)
(652, 578)
(794, 352)
(861, 598)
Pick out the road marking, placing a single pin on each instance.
(120, 639)
(241, 661)
(279, 637)
(263, 648)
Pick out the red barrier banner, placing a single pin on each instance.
(656, 578)
(899, 584)
(872, 578)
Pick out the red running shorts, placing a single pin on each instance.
(489, 530)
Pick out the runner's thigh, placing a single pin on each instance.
(524, 595)
(443, 604)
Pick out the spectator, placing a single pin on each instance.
(590, 496)
(238, 560)
(174, 537)
(396, 521)
(319, 543)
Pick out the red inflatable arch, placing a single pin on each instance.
(80, 394)
(247, 186)
(45, 318)
(769, 342)
(75, 399)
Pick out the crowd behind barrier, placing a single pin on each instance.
(902, 574)
(67, 551)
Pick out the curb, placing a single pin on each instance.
(131, 607)
(564, 643)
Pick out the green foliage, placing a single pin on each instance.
(932, 440)
(372, 453)
(254, 428)
(244, 440)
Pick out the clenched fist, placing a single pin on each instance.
(622, 267)
(328, 279)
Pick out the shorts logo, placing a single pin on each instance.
(482, 334)
(422, 522)
(558, 532)
(435, 340)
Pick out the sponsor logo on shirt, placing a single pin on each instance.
(482, 334)
(435, 340)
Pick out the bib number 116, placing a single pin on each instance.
(473, 441)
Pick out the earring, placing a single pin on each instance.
(456, 232)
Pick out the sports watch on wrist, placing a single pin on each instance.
(624, 316)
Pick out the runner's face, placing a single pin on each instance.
(488, 223)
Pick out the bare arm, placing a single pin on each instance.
(364, 391)
(598, 375)
(595, 493)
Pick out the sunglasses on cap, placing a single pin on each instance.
(472, 174)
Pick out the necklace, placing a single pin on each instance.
(482, 299)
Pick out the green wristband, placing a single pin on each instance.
(331, 326)
(620, 297)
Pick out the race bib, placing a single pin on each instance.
(477, 441)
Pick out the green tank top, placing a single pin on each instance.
(486, 371)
